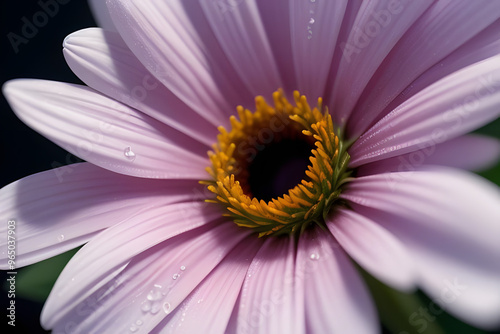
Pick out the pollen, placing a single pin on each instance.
(305, 204)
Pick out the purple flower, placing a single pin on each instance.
(366, 165)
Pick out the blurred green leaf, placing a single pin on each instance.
(413, 313)
(401, 313)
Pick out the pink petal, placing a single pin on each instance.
(444, 27)
(271, 301)
(63, 208)
(448, 200)
(484, 45)
(472, 152)
(105, 132)
(103, 61)
(208, 308)
(336, 298)
(241, 35)
(279, 37)
(374, 248)
(101, 14)
(149, 287)
(175, 43)
(448, 219)
(363, 53)
(314, 32)
(451, 107)
(119, 248)
(460, 275)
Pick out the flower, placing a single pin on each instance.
(398, 85)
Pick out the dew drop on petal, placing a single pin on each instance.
(311, 21)
(155, 308)
(146, 307)
(313, 1)
(133, 329)
(183, 268)
(60, 238)
(129, 154)
(314, 256)
(153, 295)
(175, 276)
(166, 307)
(139, 322)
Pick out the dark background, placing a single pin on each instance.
(22, 150)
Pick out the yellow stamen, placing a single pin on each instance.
(310, 200)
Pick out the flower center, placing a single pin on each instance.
(280, 168)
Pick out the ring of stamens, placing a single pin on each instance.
(306, 203)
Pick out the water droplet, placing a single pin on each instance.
(314, 256)
(157, 286)
(154, 295)
(183, 268)
(313, 1)
(155, 308)
(129, 154)
(146, 307)
(175, 276)
(139, 322)
(60, 238)
(309, 37)
(166, 308)
(199, 301)
(311, 21)
(133, 329)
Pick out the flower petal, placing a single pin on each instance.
(242, 36)
(451, 107)
(270, 300)
(444, 27)
(374, 248)
(105, 132)
(103, 61)
(459, 274)
(449, 220)
(101, 14)
(314, 31)
(100, 259)
(63, 208)
(175, 43)
(279, 38)
(377, 28)
(209, 307)
(472, 152)
(446, 199)
(336, 298)
(150, 286)
(484, 45)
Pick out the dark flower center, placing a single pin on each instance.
(279, 169)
